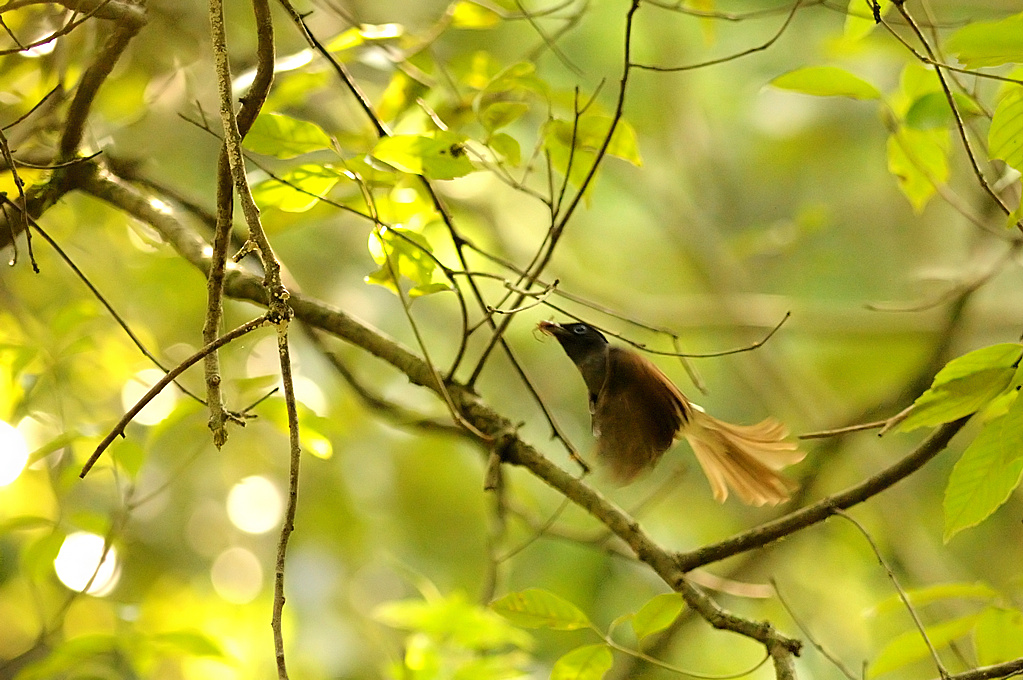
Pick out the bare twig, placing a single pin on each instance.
(902, 594)
(166, 380)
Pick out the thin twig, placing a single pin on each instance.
(902, 593)
(166, 380)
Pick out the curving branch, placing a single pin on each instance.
(769, 532)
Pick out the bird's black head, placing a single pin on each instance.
(580, 341)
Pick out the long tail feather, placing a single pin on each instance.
(744, 458)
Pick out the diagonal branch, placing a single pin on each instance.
(818, 512)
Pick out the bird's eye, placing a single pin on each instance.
(579, 330)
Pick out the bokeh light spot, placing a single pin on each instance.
(13, 453)
(237, 575)
(136, 387)
(78, 559)
(254, 505)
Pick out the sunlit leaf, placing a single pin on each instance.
(452, 617)
(657, 614)
(998, 636)
(428, 289)
(465, 14)
(538, 608)
(859, 20)
(919, 161)
(129, 456)
(401, 253)
(965, 385)
(987, 472)
(910, 646)
(932, 111)
(24, 523)
(67, 658)
(38, 555)
(297, 190)
(826, 81)
(190, 642)
(274, 134)
(511, 666)
(501, 113)
(590, 662)
(921, 597)
(507, 147)
(440, 155)
(346, 40)
(988, 43)
(1005, 136)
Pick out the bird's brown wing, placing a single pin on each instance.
(637, 414)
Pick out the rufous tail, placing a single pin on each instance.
(744, 458)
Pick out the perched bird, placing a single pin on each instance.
(637, 413)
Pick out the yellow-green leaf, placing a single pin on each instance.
(859, 20)
(402, 253)
(919, 161)
(998, 636)
(987, 472)
(589, 662)
(440, 155)
(965, 385)
(298, 189)
(274, 134)
(826, 81)
(1005, 136)
(507, 147)
(501, 113)
(910, 646)
(538, 608)
(657, 614)
(921, 597)
(988, 43)
(465, 14)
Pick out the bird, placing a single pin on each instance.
(638, 413)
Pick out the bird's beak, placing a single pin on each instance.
(551, 328)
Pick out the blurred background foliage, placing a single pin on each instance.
(725, 203)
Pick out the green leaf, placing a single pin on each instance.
(590, 662)
(998, 636)
(440, 155)
(859, 20)
(190, 642)
(453, 618)
(24, 522)
(988, 471)
(931, 110)
(404, 253)
(465, 14)
(657, 614)
(919, 161)
(826, 81)
(910, 646)
(274, 134)
(988, 43)
(965, 385)
(428, 289)
(129, 456)
(538, 608)
(501, 113)
(588, 136)
(507, 147)
(921, 597)
(1005, 136)
(297, 190)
